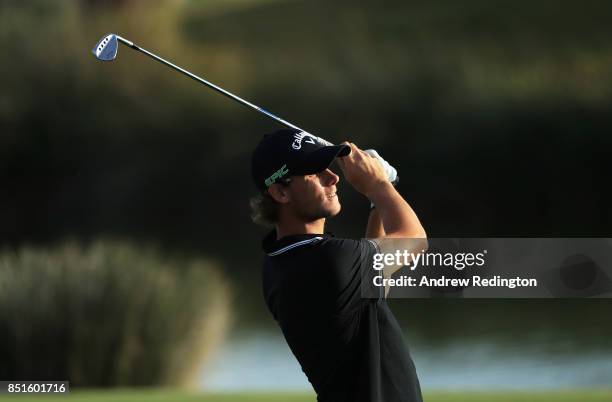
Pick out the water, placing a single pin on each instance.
(263, 361)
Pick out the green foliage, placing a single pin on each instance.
(108, 314)
(478, 102)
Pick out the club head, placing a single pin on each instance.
(106, 48)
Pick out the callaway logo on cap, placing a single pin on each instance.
(289, 152)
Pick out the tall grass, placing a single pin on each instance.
(108, 314)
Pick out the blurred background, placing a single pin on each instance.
(128, 256)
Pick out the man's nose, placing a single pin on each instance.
(330, 178)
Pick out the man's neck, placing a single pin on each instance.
(288, 228)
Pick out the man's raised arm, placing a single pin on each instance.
(398, 220)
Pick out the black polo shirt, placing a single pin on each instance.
(351, 348)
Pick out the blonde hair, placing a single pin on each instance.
(264, 210)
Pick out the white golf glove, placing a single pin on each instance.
(390, 171)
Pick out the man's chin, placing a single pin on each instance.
(325, 213)
(336, 210)
(333, 211)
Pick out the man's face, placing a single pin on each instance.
(313, 197)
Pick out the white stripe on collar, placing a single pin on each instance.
(297, 244)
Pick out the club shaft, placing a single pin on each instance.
(207, 83)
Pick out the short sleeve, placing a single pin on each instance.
(352, 273)
(368, 274)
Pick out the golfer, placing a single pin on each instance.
(350, 347)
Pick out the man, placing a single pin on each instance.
(350, 347)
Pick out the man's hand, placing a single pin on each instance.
(363, 171)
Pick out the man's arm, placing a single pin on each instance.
(397, 217)
(375, 228)
(401, 224)
(393, 218)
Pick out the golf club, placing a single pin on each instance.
(106, 50)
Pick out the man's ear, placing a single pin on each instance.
(279, 193)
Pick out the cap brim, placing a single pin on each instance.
(320, 159)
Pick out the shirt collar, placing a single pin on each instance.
(274, 247)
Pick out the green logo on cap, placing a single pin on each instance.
(276, 175)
